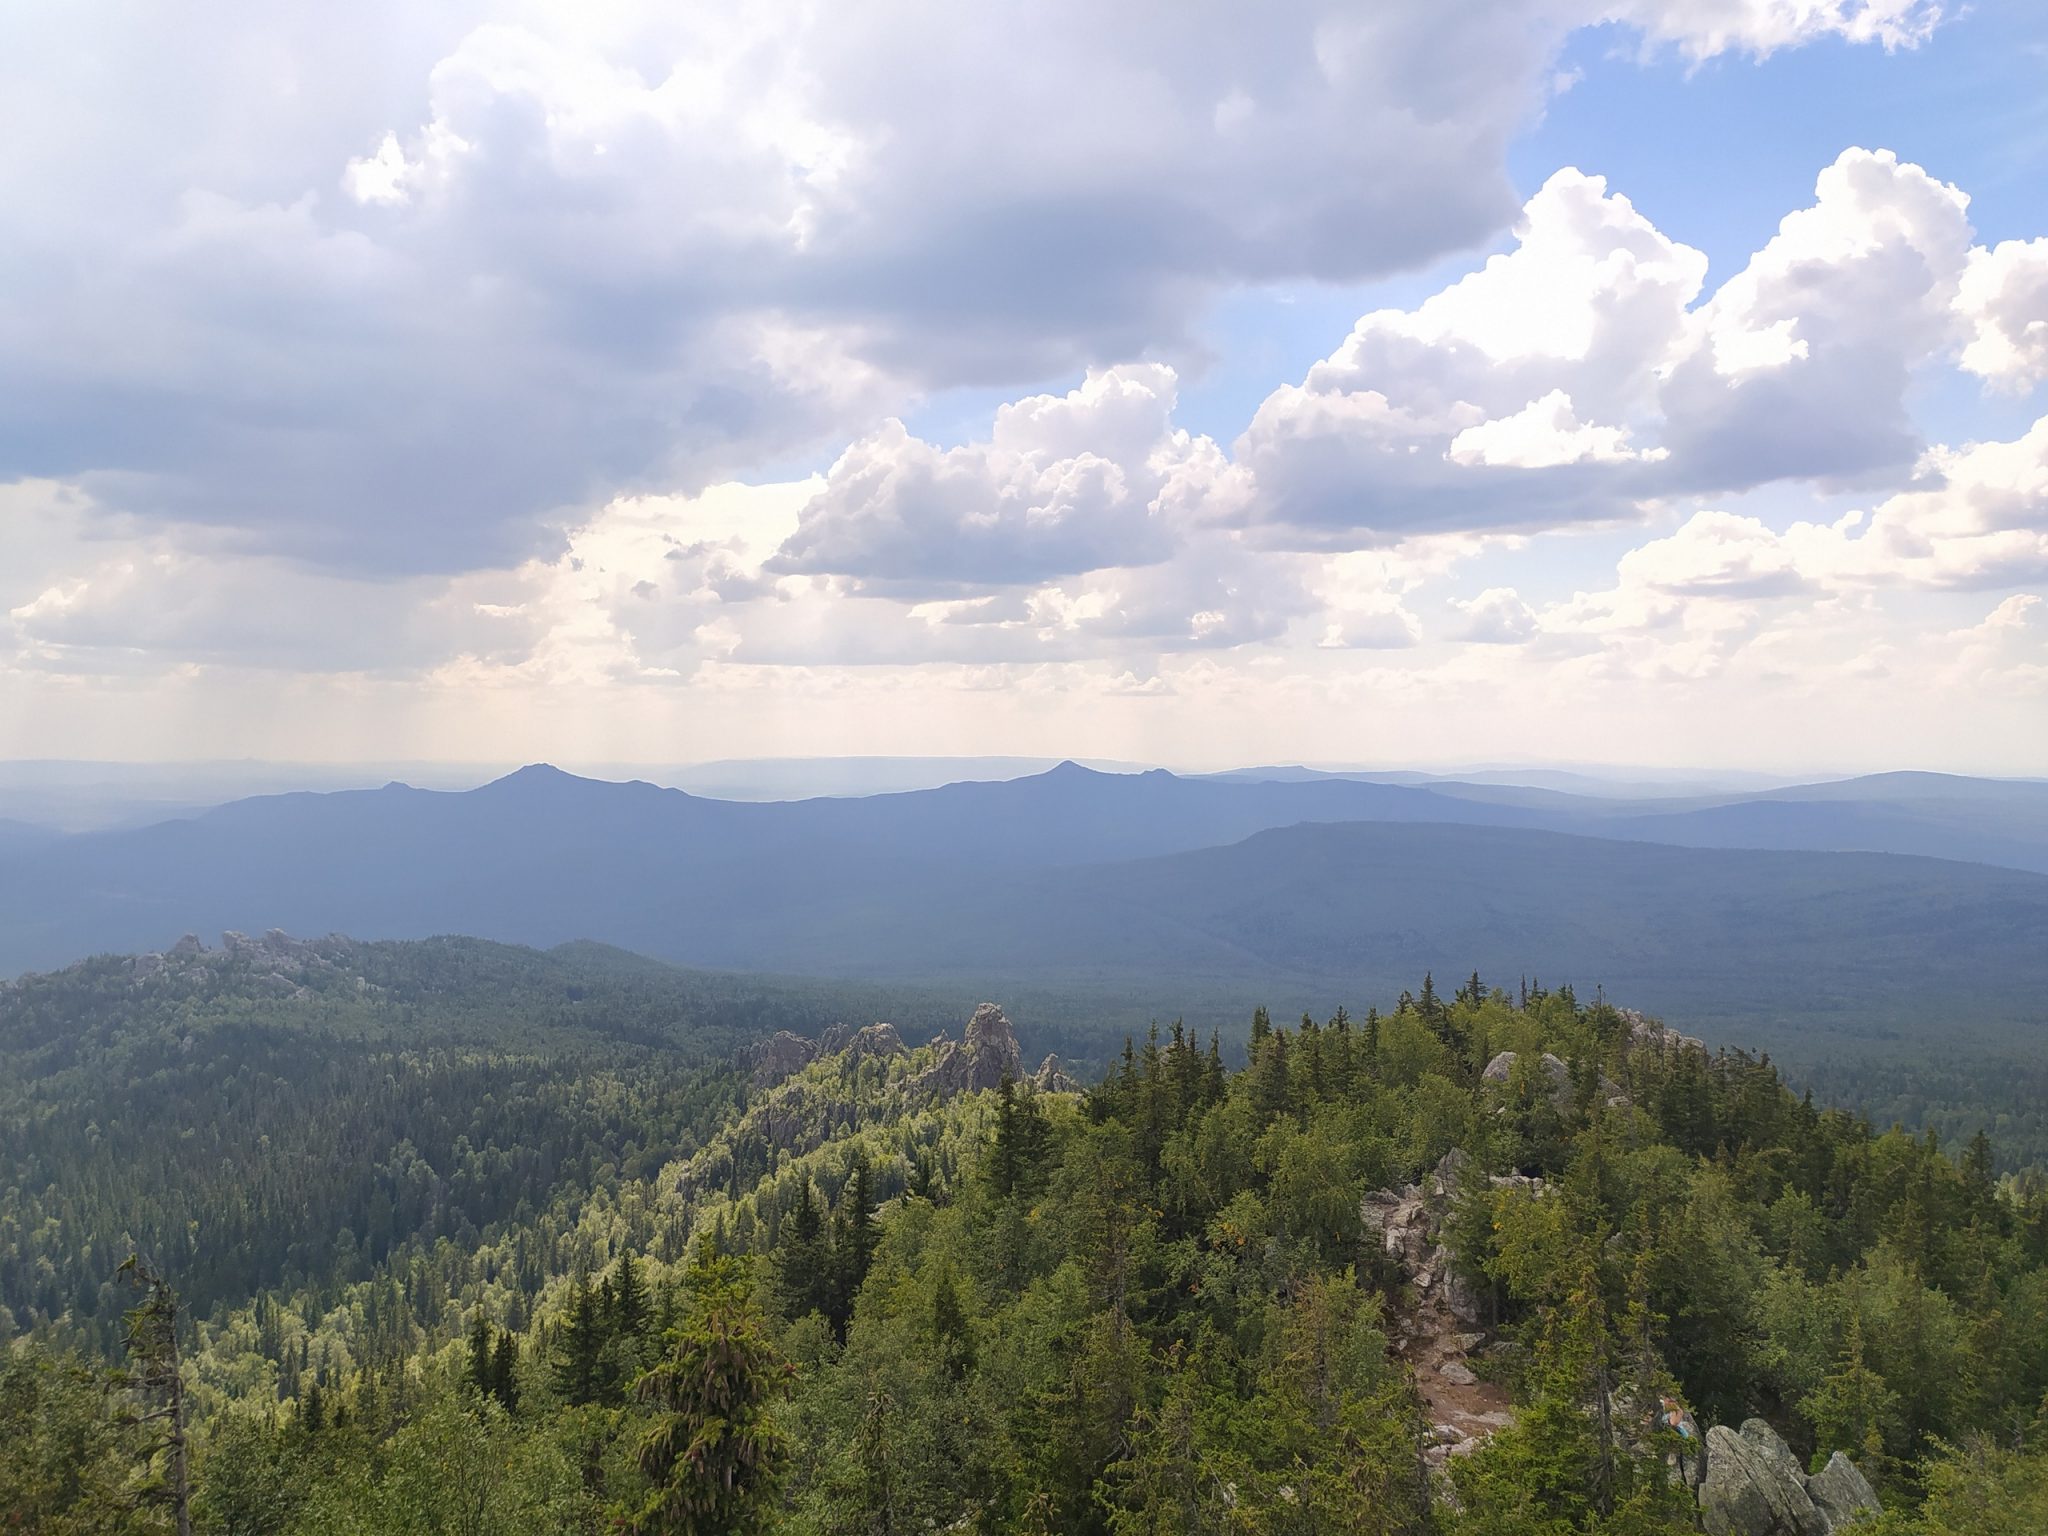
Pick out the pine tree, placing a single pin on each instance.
(877, 1490)
(313, 1409)
(800, 1258)
(952, 1335)
(1003, 1168)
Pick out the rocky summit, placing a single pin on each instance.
(1755, 1487)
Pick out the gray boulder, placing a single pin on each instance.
(1842, 1493)
(1754, 1486)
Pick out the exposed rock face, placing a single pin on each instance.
(781, 1055)
(875, 1040)
(1842, 1493)
(982, 1060)
(1051, 1077)
(1754, 1487)
(187, 946)
(1646, 1033)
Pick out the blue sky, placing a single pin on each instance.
(501, 382)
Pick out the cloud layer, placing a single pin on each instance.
(533, 351)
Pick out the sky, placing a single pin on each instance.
(1658, 382)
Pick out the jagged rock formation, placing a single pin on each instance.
(281, 964)
(769, 1061)
(982, 1060)
(810, 1093)
(1051, 1077)
(875, 1040)
(1755, 1487)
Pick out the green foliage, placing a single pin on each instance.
(69, 1466)
(557, 1276)
(714, 1451)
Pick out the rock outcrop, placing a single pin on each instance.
(875, 1040)
(1754, 1486)
(1645, 1033)
(1051, 1077)
(1842, 1493)
(781, 1055)
(1437, 1323)
(982, 1060)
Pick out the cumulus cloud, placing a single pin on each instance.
(1798, 366)
(1575, 378)
(400, 290)
(1064, 484)
(2003, 298)
(1497, 616)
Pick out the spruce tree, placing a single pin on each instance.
(579, 1345)
(480, 1356)
(630, 1306)
(504, 1366)
(714, 1454)
(800, 1257)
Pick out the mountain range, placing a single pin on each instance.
(1756, 915)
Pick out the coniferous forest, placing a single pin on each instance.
(368, 1238)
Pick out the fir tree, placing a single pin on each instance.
(714, 1454)
(504, 1367)
(630, 1307)
(480, 1356)
(579, 1345)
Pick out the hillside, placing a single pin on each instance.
(1426, 1272)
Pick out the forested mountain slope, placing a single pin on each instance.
(926, 1295)
(1135, 893)
(543, 857)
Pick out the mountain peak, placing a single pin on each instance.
(535, 776)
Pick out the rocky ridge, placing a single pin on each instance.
(1754, 1486)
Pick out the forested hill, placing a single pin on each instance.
(1499, 1263)
(1142, 893)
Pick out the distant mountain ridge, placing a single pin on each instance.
(1100, 882)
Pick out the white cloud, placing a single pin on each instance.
(2003, 298)
(1798, 365)
(1703, 28)
(399, 290)
(1497, 616)
(1543, 434)
(1574, 379)
(1064, 484)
